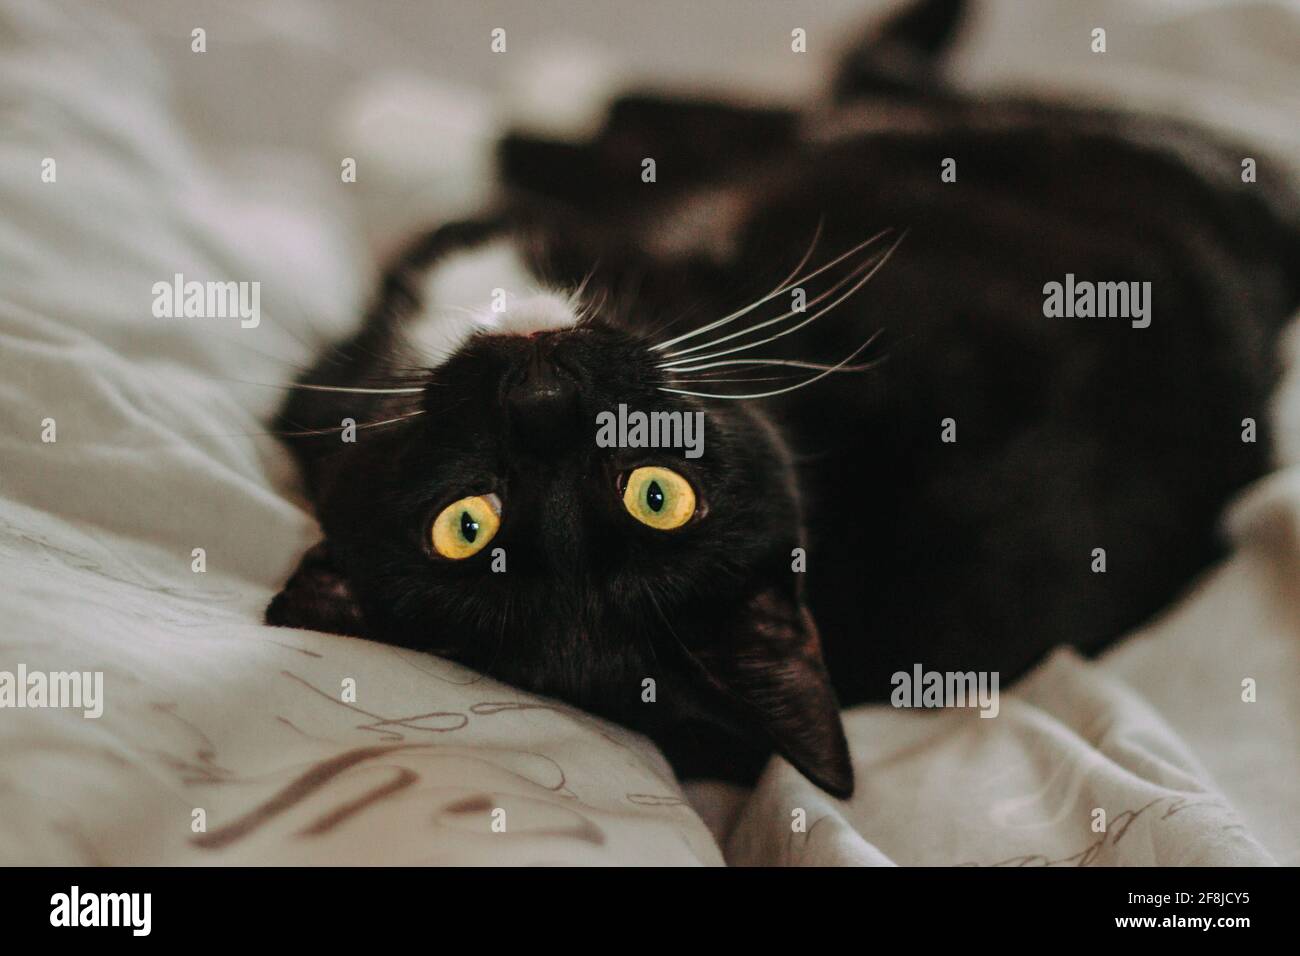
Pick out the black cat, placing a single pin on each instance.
(887, 402)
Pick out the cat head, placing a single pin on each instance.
(517, 521)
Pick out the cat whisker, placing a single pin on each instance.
(684, 358)
(795, 363)
(576, 295)
(779, 391)
(728, 380)
(781, 286)
(789, 284)
(819, 298)
(589, 309)
(812, 246)
(866, 272)
(334, 388)
(339, 428)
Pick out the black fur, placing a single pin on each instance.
(1073, 434)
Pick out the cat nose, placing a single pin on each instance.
(541, 400)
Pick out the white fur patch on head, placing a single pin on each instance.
(484, 290)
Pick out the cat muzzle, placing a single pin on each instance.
(542, 401)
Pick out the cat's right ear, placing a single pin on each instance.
(769, 664)
(317, 598)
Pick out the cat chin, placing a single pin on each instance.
(484, 290)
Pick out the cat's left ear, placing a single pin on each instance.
(770, 665)
(317, 598)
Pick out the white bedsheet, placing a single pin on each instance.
(157, 454)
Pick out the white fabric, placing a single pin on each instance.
(206, 709)
(156, 454)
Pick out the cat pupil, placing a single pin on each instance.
(468, 527)
(654, 496)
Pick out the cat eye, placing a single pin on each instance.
(659, 497)
(464, 527)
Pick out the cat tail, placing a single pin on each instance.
(903, 53)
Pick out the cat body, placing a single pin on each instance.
(918, 449)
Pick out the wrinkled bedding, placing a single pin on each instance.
(225, 741)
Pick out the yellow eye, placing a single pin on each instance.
(464, 527)
(659, 498)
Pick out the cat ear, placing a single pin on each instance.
(771, 666)
(317, 598)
